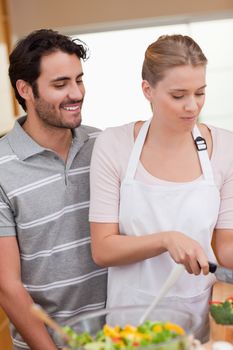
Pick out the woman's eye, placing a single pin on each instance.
(200, 94)
(177, 97)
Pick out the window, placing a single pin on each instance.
(113, 72)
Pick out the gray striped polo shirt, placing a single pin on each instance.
(44, 202)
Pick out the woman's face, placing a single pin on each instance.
(178, 98)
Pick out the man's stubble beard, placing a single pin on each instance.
(48, 114)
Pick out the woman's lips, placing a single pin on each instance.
(188, 118)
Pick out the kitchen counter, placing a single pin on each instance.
(222, 291)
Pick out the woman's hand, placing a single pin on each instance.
(185, 250)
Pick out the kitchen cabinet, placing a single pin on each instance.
(5, 338)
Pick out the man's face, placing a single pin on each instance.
(60, 91)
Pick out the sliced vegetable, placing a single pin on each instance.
(222, 312)
(129, 337)
(214, 302)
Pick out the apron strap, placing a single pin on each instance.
(198, 139)
(136, 152)
(203, 155)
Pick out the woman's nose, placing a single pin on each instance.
(191, 105)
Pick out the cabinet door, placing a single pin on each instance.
(5, 338)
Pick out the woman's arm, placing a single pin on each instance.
(223, 246)
(109, 248)
(222, 242)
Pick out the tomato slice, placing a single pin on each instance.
(116, 339)
(215, 302)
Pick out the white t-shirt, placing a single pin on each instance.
(109, 163)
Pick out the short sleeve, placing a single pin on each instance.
(225, 217)
(7, 223)
(109, 161)
(223, 168)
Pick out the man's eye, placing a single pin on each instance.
(200, 94)
(59, 86)
(79, 81)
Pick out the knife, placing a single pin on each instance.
(222, 273)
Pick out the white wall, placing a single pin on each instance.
(215, 38)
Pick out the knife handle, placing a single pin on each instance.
(212, 267)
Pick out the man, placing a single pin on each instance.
(44, 192)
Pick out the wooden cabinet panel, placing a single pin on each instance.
(5, 338)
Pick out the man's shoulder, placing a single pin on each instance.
(5, 148)
(89, 130)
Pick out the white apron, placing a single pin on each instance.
(191, 208)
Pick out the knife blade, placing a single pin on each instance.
(222, 273)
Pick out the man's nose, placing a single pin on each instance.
(76, 91)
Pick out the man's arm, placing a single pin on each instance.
(16, 301)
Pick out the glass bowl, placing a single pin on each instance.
(94, 321)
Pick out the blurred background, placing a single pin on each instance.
(118, 33)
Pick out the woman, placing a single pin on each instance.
(160, 188)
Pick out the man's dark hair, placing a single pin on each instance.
(26, 57)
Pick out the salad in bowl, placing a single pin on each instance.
(118, 329)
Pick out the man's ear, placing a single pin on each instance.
(24, 89)
(146, 88)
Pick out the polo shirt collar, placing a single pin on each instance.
(21, 143)
(24, 146)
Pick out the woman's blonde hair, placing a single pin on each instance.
(170, 51)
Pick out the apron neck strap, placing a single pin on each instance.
(199, 142)
(203, 154)
(136, 152)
